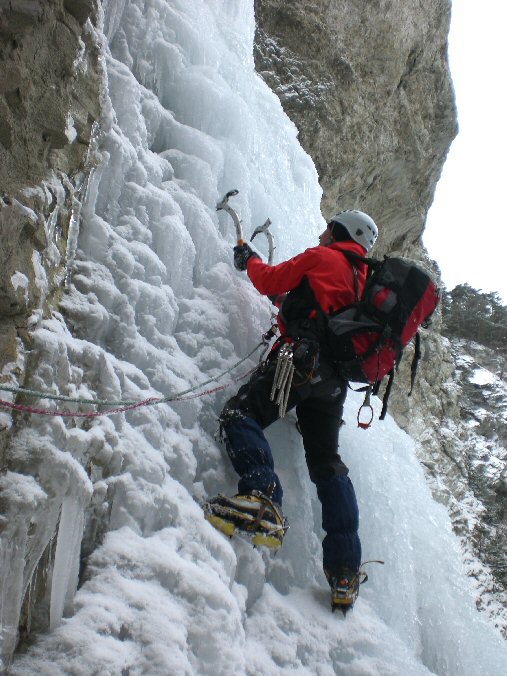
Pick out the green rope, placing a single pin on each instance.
(122, 402)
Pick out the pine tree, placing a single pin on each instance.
(475, 315)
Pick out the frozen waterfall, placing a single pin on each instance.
(155, 307)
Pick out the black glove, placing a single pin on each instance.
(241, 256)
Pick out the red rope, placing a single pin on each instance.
(91, 414)
(96, 414)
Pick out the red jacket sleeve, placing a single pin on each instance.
(274, 279)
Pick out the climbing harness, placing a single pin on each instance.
(282, 381)
(300, 358)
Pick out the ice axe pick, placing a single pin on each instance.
(224, 205)
(271, 244)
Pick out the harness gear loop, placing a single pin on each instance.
(364, 425)
(310, 375)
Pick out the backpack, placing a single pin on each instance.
(365, 340)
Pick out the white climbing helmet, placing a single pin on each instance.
(361, 227)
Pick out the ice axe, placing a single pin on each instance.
(265, 229)
(224, 205)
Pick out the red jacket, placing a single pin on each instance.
(327, 271)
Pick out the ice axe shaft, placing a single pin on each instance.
(271, 244)
(224, 205)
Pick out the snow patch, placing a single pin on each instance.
(20, 281)
(70, 130)
(482, 377)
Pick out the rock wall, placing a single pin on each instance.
(50, 80)
(49, 102)
(368, 86)
(462, 445)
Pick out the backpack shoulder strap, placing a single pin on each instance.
(356, 283)
(356, 258)
(386, 395)
(371, 263)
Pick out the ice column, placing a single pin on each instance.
(66, 566)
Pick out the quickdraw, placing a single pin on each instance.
(282, 381)
(266, 340)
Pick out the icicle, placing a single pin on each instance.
(72, 239)
(78, 199)
(51, 223)
(52, 255)
(66, 566)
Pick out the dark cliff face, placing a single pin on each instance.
(368, 86)
(51, 79)
(49, 100)
(46, 78)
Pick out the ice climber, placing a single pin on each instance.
(320, 278)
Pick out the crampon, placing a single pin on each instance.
(252, 515)
(344, 585)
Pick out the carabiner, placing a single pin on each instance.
(366, 404)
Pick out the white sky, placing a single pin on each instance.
(466, 230)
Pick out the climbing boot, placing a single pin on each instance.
(252, 514)
(344, 584)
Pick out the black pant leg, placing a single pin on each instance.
(320, 418)
(253, 398)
